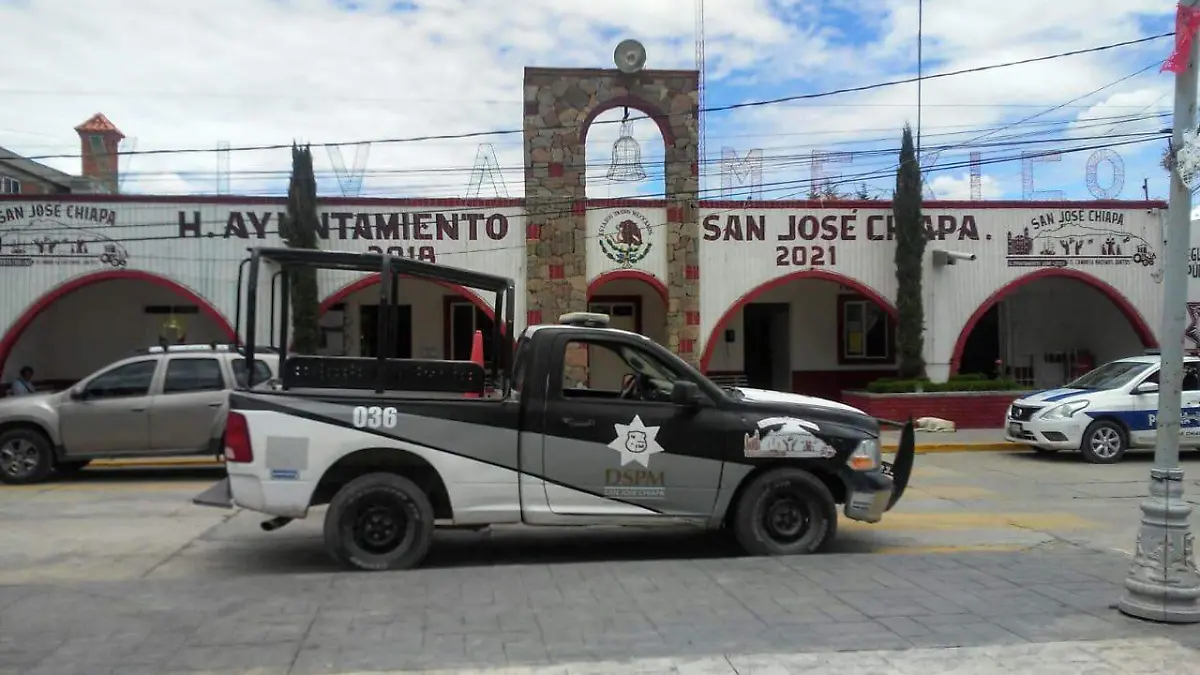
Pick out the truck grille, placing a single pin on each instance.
(1022, 413)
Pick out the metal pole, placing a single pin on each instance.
(1163, 583)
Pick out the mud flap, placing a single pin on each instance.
(901, 469)
(219, 495)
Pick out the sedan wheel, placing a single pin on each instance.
(1103, 443)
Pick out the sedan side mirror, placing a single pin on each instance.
(1146, 388)
(686, 393)
(77, 393)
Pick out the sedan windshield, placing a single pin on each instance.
(1110, 375)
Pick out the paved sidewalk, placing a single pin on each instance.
(1034, 612)
(963, 440)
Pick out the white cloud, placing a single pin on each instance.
(255, 72)
(958, 187)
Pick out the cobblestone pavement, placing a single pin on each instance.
(1028, 612)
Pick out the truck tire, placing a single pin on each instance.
(1104, 442)
(380, 521)
(25, 457)
(785, 512)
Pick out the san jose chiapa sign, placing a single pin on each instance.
(59, 234)
(1050, 238)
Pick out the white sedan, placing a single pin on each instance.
(1104, 413)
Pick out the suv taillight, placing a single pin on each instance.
(237, 439)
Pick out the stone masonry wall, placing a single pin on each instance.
(560, 105)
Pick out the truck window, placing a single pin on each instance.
(262, 373)
(598, 369)
(187, 375)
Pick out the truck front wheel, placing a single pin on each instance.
(380, 521)
(785, 512)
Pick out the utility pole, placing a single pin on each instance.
(1163, 583)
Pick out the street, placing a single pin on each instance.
(116, 571)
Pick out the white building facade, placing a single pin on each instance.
(798, 296)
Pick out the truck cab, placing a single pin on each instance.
(588, 426)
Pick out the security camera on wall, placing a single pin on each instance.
(950, 257)
(630, 56)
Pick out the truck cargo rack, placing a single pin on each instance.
(381, 372)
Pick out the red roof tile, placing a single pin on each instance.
(99, 124)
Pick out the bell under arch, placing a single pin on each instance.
(625, 153)
(561, 106)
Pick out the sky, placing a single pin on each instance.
(188, 74)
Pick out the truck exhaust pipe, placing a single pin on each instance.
(274, 524)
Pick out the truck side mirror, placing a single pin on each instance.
(1146, 388)
(686, 393)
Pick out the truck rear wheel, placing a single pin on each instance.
(785, 512)
(380, 521)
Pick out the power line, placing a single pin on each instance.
(570, 208)
(777, 161)
(722, 108)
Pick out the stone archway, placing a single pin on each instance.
(560, 106)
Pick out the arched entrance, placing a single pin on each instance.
(437, 320)
(812, 332)
(91, 320)
(634, 301)
(1046, 327)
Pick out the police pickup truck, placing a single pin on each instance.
(588, 426)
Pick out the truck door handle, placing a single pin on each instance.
(578, 423)
(139, 410)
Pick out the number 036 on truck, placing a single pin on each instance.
(574, 424)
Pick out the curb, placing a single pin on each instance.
(203, 462)
(932, 448)
(158, 462)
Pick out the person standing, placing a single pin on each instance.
(24, 383)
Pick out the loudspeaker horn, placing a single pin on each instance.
(630, 56)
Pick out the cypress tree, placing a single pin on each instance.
(300, 231)
(910, 252)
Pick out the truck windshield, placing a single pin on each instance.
(1110, 376)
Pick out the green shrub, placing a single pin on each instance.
(889, 385)
(967, 377)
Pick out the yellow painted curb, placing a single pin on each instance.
(928, 448)
(131, 462)
(158, 462)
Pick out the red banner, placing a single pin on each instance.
(1187, 22)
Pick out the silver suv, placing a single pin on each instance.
(159, 402)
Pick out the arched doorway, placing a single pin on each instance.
(1047, 327)
(812, 332)
(89, 321)
(634, 301)
(436, 320)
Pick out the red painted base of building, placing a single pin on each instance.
(967, 409)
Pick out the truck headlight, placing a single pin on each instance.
(866, 456)
(1065, 411)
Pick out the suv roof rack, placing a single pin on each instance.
(584, 319)
(209, 347)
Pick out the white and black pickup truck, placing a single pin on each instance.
(398, 447)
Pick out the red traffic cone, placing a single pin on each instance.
(476, 355)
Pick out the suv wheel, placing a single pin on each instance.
(25, 457)
(380, 521)
(785, 512)
(1104, 442)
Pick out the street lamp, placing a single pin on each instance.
(1163, 583)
